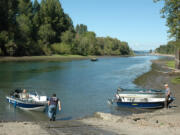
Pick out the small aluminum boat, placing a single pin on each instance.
(139, 98)
(94, 59)
(33, 102)
(140, 93)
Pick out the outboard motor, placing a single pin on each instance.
(15, 93)
(171, 99)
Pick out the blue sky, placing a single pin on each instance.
(136, 21)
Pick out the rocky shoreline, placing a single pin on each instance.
(159, 122)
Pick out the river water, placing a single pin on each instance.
(82, 86)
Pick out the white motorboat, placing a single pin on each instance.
(141, 98)
(33, 102)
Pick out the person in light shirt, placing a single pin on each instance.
(24, 94)
(167, 94)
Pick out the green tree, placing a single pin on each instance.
(32, 28)
(8, 11)
(25, 27)
(169, 48)
(10, 48)
(4, 38)
(91, 39)
(84, 44)
(83, 47)
(3, 15)
(61, 48)
(36, 20)
(171, 12)
(81, 29)
(67, 37)
(100, 46)
(53, 16)
(124, 49)
(46, 33)
(36, 7)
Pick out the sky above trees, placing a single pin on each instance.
(138, 22)
(44, 28)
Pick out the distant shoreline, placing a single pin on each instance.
(53, 58)
(44, 58)
(160, 54)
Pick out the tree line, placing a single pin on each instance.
(167, 49)
(171, 11)
(31, 28)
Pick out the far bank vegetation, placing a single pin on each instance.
(30, 28)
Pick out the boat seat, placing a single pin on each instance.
(22, 96)
(43, 98)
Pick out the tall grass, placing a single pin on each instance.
(176, 80)
(171, 64)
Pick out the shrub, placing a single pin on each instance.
(176, 80)
(46, 50)
(61, 48)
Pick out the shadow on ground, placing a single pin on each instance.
(75, 127)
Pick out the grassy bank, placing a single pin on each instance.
(45, 58)
(158, 68)
(171, 64)
(54, 58)
(174, 80)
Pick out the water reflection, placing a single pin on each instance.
(15, 72)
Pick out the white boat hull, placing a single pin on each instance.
(30, 106)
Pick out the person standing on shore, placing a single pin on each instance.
(52, 107)
(168, 93)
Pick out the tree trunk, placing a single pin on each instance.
(177, 59)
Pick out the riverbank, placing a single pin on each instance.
(159, 122)
(164, 121)
(45, 58)
(158, 76)
(160, 54)
(53, 58)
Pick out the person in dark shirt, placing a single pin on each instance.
(52, 107)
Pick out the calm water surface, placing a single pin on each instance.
(82, 86)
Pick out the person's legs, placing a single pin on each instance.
(54, 114)
(166, 103)
(51, 112)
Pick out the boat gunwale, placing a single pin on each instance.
(25, 101)
(141, 91)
